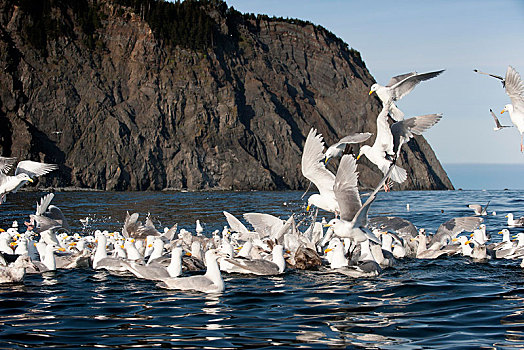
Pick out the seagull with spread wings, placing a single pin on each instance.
(398, 87)
(314, 169)
(25, 171)
(353, 214)
(515, 90)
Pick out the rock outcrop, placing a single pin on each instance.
(96, 89)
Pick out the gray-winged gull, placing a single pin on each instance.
(314, 170)
(338, 148)
(25, 171)
(398, 87)
(210, 282)
(498, 126)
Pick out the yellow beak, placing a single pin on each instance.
(326, 160)
(307, 208)
(327, 225)
(188, 253)
(502, 112)
(358, 157)
(500, 232)
(328, 250)
(370, 92)
(30, 180)
(467, 242)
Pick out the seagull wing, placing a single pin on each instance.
(264, 224)
(361, 217)
(34, 168)
(404, 87)
(394, 223)
(515, 88)
(6, 163)
(346, 188)
(44, 203)
(354, 138)
(312, 166)
(491, 75)
(399, 78)
(234, 224)
(477, 208)
(497, 122)
(404, 130)
(455, 226)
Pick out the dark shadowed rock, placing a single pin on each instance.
(96, 90)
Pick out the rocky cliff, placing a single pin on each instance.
(105, 90)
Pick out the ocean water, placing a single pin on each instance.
(486, 176)
(445, 303)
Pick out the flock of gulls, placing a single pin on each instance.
(351, 243)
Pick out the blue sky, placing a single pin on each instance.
(396, 37)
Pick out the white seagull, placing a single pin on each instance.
(382, 149)
(338, 148)
(313, 169)
(515, 91)
(25, 171)
(398, 87)
(353, 215)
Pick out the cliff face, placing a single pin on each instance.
(118, 109)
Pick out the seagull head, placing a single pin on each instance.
(507, 108)
(25, 177)
(374, 88)
(363, 150)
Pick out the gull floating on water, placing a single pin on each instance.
(512, 222)
(479, 209)
(398, 87)
(211, 282)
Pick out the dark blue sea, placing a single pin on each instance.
(447, 303)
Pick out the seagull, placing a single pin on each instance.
(314, 170)
(405, 130)
(515, 222)
(338, 148)
(210, 282)
(498, 126)
(25, 171)
(515, 91)
(353, 215)
(382, 149)
(479, 209)
(398, 87)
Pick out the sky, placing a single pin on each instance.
(396, 37)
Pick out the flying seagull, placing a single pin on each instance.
(515, 90)
(498, 126)
(398, 87)
(338, 148)
(25, 171)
